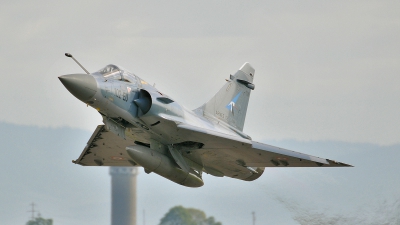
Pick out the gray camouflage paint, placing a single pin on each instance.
(152, 130)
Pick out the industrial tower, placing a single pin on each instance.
(123, 195)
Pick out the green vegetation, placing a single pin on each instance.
(179, 215)
(40, 221)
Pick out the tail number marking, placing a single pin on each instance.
(220, 114)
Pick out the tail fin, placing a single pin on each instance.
(231, 101)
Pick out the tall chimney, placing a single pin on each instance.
(123, 195)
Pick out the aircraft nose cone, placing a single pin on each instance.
(82, 86)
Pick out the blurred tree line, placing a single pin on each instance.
(40, 221)
(179, 215)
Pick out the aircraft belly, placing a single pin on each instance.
(137, 134)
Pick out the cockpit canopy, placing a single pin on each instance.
(117, 73)
(108, 69)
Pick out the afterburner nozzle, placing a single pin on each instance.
(82, 86)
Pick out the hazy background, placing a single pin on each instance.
(37, 167)
(327, 83)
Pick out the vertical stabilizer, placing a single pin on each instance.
(231, 101)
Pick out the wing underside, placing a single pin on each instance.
(104, 148)
(238, 157)
(221, 154)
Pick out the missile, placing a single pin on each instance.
(162, 165)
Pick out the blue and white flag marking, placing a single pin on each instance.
(231, 105)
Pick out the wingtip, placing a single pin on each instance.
(345, 165)
(335, 163)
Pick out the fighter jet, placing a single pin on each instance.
(145, 127)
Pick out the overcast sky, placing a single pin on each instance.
(325, 70)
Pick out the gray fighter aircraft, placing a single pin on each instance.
(145, 127)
